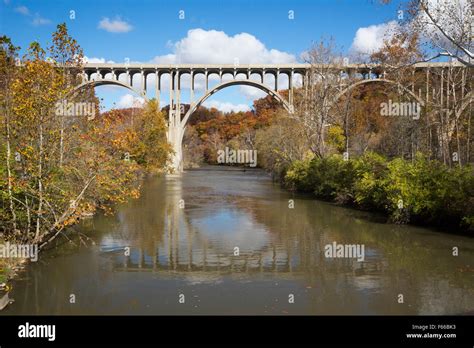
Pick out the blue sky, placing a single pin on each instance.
(152, 31)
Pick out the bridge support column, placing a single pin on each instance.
(290, 87)
(276, 80)
(157, 88)
(143, 82)
(175, 130)
(175, 135)
(191, 92)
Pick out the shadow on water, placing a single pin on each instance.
(190, 251)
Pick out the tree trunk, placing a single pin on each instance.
(40, 183)
(8, 159)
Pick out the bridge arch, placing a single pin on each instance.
(223, 85)
(104, 82)
(362, 82)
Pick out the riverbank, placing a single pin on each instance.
(5, 272)
(421, 192)
(9, 268)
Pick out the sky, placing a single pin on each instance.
(200, 31)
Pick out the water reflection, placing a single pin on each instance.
(190, 250)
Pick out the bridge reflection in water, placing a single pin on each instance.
(184, 248)
(198, 243)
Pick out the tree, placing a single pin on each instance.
(152, 133)
(8, 57)
(281, 143)
(67, 56)
(50, 180)
(446, 26)
(313, 105)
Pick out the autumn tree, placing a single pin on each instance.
(67, 56)
(323, 83)
(8, 59)
(59, 167)
(151, 128)
(446, 27)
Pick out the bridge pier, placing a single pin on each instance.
(175, 136)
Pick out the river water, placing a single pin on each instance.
(181, 235)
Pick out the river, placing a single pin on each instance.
(182, 235)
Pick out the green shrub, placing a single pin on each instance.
(369, 191)
(430, 191)
(334, 178)
(421, 190)
(327, 178)
(298, 176)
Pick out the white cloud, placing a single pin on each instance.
(38, 20)
(23, 10)
(226, 107)
(252, 93)
(128, 101)
(216, 47)
(165, 59)
(97, 60)
(201, 46)
(369, 39)
(115, 26)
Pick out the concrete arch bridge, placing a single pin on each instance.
(98, 74)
